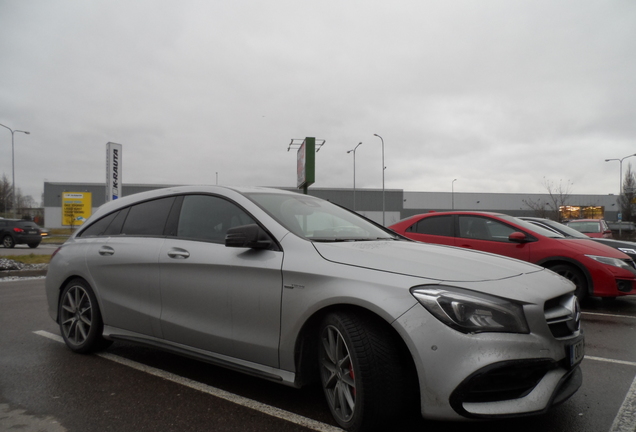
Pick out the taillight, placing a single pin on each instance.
(18, 230)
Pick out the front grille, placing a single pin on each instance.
(563, 316)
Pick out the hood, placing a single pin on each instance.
(436, 262)
(593, 247)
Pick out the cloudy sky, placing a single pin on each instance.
(501, 95)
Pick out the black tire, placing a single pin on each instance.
(80, 319)
(363, 372)
(8, 242)
(34, 245)
(574, 275)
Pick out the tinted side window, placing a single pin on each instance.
(205, 217)
(118, 222)
(98, 228)
(436, 225)
(148, 218)
(480, 228)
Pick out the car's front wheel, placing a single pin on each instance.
(8, 242)
(80, 319)
(362, 372)
(34, 245)
(576, 276)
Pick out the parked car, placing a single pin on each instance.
(627, 247)
(294, 289)
(595, 269)
(19, 231)
(596, 228)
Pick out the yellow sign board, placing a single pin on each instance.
(76, 208)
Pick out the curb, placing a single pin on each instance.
(22, 273)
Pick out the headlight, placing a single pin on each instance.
(471, 312)
(612, 261)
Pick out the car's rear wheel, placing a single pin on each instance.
(362, 373)
(80, 319)
(34, 245)
(576, 276)
(8, 242)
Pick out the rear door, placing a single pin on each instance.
(123, 261)
(433, 229)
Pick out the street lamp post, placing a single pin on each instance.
(354, 174)
(620, 187)
(13, 166)
(383, 168)
(453, 194)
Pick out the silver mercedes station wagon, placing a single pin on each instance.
(294, 289)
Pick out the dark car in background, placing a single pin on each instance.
(596, 269)
(626, 247)
(19, 231)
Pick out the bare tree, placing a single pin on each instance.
(628, 197)
(5, 194)
(559, 194)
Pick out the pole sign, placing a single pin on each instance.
(76, 208)
(306, 163)
(113, 171)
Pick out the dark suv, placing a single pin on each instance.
(18, 231)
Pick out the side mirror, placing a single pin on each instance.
(518, 237)
(247, 236)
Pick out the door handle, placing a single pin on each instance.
(177, 253)
(106, 251)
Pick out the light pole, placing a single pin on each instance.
(354, 174)
(383, 168)
(453, 194)
(13, 166)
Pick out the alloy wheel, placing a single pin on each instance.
(76, 315)
(337, 374)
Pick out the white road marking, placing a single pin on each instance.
(625, 420)
(608, 315)
(222, 394)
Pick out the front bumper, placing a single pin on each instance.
(487, 375)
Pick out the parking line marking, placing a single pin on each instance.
(625, 362)
(625, 420)
(222, 394)
(608, 315)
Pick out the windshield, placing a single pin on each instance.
(563, 229)
(318, 220)
(531, 227)
(585, 226)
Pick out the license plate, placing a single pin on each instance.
(32, 232)
(575, 352)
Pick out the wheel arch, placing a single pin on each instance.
(553, 261)
(306, 348)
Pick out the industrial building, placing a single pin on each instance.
(398, 203)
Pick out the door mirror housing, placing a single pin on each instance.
(247, 236)
(518, 237)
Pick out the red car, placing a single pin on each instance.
(596, 228)
(596, 269)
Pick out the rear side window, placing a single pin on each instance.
(98, 228)
(148, 218)
(207, 218)
(436, 225)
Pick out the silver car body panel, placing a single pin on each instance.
(187, 296)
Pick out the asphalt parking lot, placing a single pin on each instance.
(45, 387)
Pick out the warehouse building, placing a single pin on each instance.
(398, 204)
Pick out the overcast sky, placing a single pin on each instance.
(499, 95)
